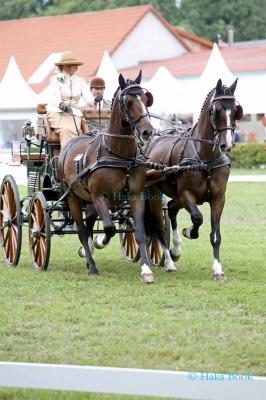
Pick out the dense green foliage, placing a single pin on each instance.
(203, 17)
(185, 321)
(248, 155)
(211, 18)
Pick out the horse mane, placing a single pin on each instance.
(114, 97)
(205, 102)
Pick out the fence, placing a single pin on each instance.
(127, 381)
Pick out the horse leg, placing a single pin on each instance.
(138, 207)
(156, 218)
(196, 218)
(217, 206)
(101, 241)
(75, 207)
(175, 251)
(91, 216)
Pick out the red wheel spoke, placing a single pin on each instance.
(5, 201)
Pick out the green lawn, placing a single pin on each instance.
(248, 171)
(185, 321)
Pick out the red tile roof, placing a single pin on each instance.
(190, 38)
(87, 34)
(248, 58)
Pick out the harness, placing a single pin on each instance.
(113, 159)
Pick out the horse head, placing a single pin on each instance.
(223, 112)
(133, 102)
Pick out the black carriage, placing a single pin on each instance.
(45, 210)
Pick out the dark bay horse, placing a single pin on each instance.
(108, 164)
(203, 170)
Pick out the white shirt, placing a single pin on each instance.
(69, 89)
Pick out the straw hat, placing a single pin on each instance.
(68, 58)
(97, 82)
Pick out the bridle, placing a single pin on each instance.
(125, 109)
(212, 109)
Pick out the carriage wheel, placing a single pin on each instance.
(39, 232)
(10, 226)
(154, 247)
(129, 245)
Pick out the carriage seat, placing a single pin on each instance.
(44, 129)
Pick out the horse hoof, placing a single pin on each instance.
(219, 277)
(81, 252)
(189, 234)
(170, 269)
(97, 243)
(146, 277)
(174, 257)
(93, 271)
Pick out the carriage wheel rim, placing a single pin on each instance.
(10, 229)
(39, 235)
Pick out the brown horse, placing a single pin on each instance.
(203, 170)
(102, 167)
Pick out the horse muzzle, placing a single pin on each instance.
(147, 133)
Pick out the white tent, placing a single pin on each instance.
(216, 68)
(108, 72)
(45, 68)
(15, 93)
(251, 94)
(166, 92)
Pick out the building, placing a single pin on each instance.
(135, 37)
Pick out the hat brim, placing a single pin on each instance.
(58, 64)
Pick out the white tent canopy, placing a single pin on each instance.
(15, 93)
(251, 94)
(45, 68)
(165, 90)
(108, 72)
(215, 69)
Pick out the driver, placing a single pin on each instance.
(67, 88)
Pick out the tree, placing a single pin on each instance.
(16, 9)
(205, 18)
(209, 18)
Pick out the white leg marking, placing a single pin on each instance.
(168, 262)
(99, 241)
(146, 275)
(176, 249)
(145, 269)
(186, 232)
(81, 251)
(217, 267)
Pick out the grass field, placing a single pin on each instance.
(185, 321)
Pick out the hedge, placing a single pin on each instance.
(248, 155)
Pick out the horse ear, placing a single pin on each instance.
(139, 77)
(233, 86)
(122, 82)
(219, 86)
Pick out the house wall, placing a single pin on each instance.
(157, 43)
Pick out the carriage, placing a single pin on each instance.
(197, 153)
(45, 210)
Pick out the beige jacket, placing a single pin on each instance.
(68, 89)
